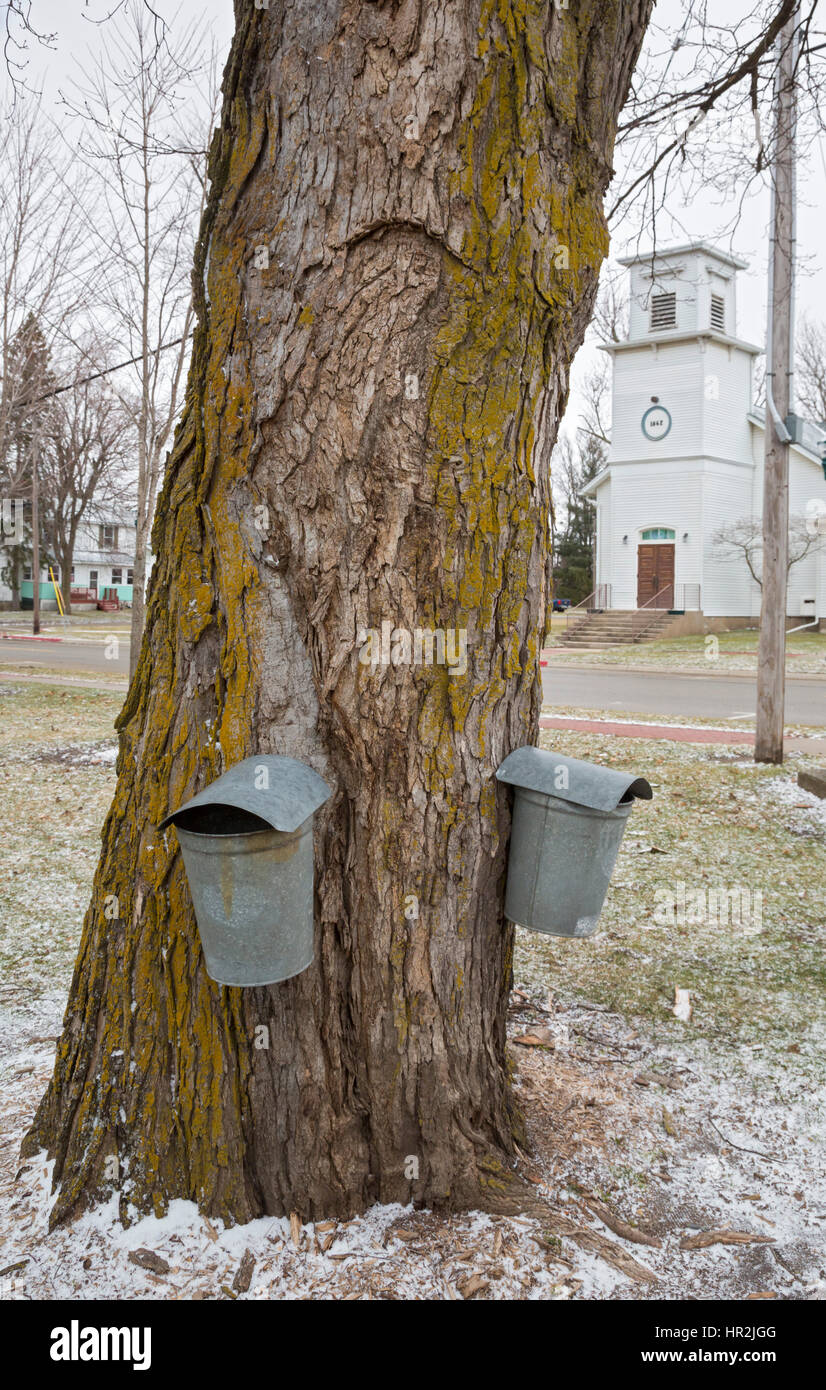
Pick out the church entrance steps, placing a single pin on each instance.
(615, 627)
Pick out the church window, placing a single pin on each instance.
(658, 533)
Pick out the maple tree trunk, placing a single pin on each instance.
(397, 263)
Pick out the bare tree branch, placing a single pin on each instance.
(743, 541)
(150, 187)
(710, 71)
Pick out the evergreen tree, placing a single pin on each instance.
(24, 425)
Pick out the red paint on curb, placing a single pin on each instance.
(28, 637)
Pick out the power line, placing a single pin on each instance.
(83, 381)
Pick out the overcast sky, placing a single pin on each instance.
(76, 33)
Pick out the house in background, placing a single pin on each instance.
(104, 559)
(687, 446)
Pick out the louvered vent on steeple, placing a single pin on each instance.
(663, 311)
(718, 313)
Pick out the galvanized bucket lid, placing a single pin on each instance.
(570, 779)
(281, 791)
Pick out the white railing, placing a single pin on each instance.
(687, 598)
(650, 611)
(672, 598)
(594, 603)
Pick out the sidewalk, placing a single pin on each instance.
(676, 733)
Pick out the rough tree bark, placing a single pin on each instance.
(371, 406)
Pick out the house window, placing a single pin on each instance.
(718, 313)
(663, 311)
(658, 533)
(93, 580)
(129, 576)
(108, 536)
(117, 574)
(72, 575)
(27, 572)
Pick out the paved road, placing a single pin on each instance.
(606, 688)
(65, 656)
(702, 696)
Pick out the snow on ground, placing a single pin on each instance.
(388, 1253)
(677, 1144)
(660, 1137)
(785, 794)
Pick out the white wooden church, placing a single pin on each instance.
(686, 453)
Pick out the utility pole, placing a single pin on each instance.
(771, 660)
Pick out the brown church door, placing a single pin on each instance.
(655, 572)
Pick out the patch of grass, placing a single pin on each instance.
(51, 841)
(52, 812)
(34, 713)
(727, 652)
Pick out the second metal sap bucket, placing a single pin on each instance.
(568, 820)
(247, 843)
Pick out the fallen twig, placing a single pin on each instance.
(723, 1237)
(742, 1147)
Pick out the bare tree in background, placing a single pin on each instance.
(810, 374)
(84, 464)
(576, 460)
(146, 153)
(610, 321)
(21, 34)
(18, 35)
(743, 541)
(45, 273)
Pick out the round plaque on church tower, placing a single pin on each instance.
(656, 422)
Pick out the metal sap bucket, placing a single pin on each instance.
(247, 843)
(568, 821)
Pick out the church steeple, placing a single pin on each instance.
(682, 289)
(686, 452)
(682, 377)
